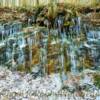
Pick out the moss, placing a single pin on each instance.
(88, 62)
(21, 68)
(67, 66)
(97, 80)
(28, 69)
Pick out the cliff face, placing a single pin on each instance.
(14, 3)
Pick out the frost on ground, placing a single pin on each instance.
(20, 86)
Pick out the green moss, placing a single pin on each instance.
(97, 80)
(21, 68)
(28, 69)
